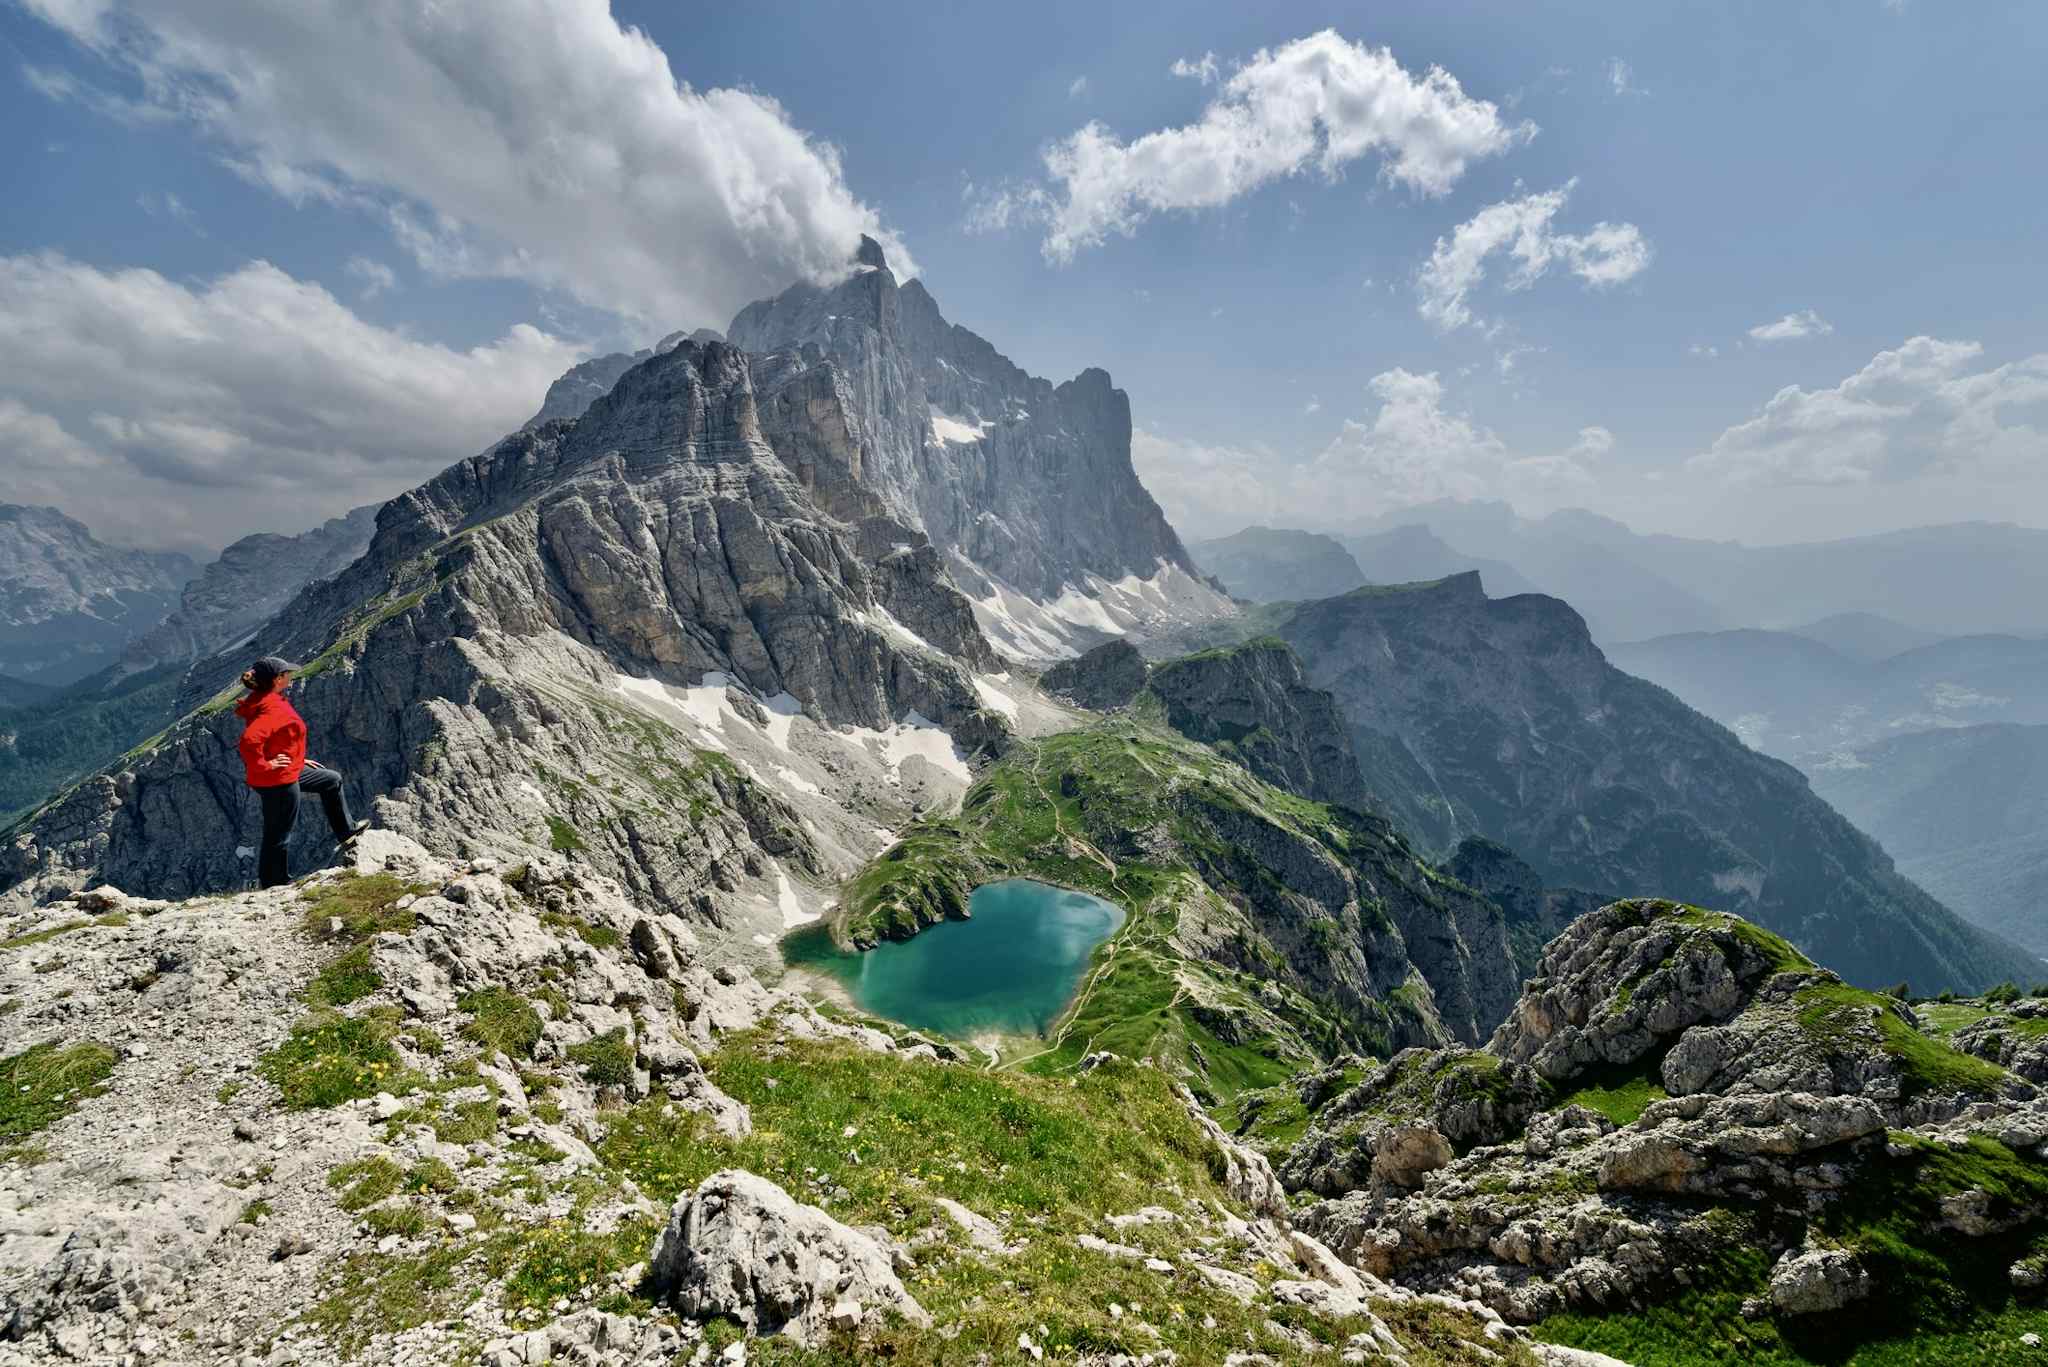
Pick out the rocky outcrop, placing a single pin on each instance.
(742, 1247)
(1733, 1076)
(2014, 1037)
(238, 593)
(1102, 679)
(1025, 487)
(1250, 703)
(69, 602)
(1500, 718)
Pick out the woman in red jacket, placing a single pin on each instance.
(273, 749)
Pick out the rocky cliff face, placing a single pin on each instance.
(635, 637)
(242, 590)
(68, 602)
(1251, 704)
(1499, 717)
(1025, 487)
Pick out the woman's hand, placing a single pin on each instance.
(278, 762)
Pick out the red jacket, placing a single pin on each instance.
(271, 727)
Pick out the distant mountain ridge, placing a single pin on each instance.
(1501, 718)
(1803, 701)
(1960, 578)
(1277, 565)
(69, 601)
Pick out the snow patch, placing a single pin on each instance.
(793, 913)
(783, 709)
(792, 779)
(994, 698)
(886, 622)
(948, 428)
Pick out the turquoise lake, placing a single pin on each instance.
(1011, 968)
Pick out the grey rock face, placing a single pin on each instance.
(1025, 487)
(1250, 702)
(466, 665)
(69, 602)
(1102, 679)
(1535, 913)
(1499, 717)
(241, 591)
(742, 1246)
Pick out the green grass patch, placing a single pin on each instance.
(365, 904)
(328, 1059)
(1835, 1014)
(471, 1122)
(41, 1085)
(37, 937)
(365, 1181)
(1621, 1092)
(1945, 1018)
(606, 1060)
(502, 1021)
(348, 978)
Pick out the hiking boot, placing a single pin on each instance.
(362, 824)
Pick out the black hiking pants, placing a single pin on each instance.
(281, 813)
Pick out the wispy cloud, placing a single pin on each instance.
(1606, 254)
(1792, 327)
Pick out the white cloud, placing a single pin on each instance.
(1606, 254)
(562, 149)
(1313, 406)
(1211, 490)
(166, 414)
(1593, 443)
(1703, 350)
(1621, 77)
(1078, 88)
(1912, 411)
(1792, 327)
(1205, 70)
(1317, 103)
(376, 277)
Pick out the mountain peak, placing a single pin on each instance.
(869, 253)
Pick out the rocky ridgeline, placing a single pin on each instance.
(374, 1116)
(1676, 1089)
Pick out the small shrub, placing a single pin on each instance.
(406, 1221)
(2002, 994)
(472, 1122)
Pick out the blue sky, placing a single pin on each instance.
(451, 211)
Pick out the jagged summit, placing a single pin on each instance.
(1025, 487)
(869, 253)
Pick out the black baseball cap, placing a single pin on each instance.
(269, 667)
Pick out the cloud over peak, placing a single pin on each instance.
(530, 139)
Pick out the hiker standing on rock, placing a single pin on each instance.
(274, 759)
